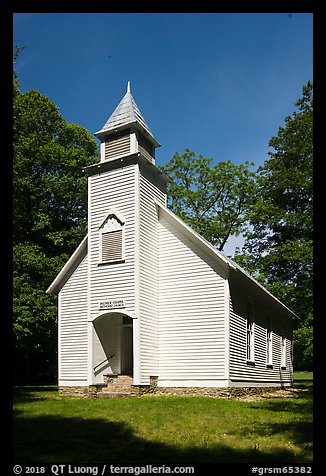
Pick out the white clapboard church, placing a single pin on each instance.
(145, 296)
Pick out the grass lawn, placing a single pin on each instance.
(162, 430)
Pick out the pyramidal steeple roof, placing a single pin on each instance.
(125, 114)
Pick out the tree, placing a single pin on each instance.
(49, 187)
(34, 314)
(214, 200)
(49, 220)
(16, 52)
(279, 248)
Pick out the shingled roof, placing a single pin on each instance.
(125, 114)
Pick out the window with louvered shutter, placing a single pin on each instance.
(250, 331)
(112, 246)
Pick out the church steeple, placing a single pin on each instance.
(126, 132)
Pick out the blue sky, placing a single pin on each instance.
(219, 84)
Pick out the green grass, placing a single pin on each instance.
(302, 379)
(162, 430)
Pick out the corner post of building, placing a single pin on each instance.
(136, 323)
(89, 318)
(227, 327)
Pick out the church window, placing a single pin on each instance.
(250, 331)
(112, 240)
(269, 344)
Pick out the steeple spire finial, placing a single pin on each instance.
(126, 116)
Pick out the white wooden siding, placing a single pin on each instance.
(73, 328)
(148, 275)
(191, 313)
(112, 189)
(242, 373)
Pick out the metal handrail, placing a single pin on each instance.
(107, 359)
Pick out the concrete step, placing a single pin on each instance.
(119, 386)
(121, 382)
(120, 378)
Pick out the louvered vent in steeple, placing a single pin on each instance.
(146, 147)
(117, 144)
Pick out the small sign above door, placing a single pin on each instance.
(112, 304)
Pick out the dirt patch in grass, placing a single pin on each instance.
(288, 392)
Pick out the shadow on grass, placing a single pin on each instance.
(20, 390)
(302, 405)
(31, 393)
(74, 440)
(59, 439)
(298, 432)
(303, 384)
(299, 420)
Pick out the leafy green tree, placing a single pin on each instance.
(16, 52)
(34, 313)
(49, 220)
(279, 248)
(49, 186)
(214, 199)
(303, 346)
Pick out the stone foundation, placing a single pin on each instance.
(75, 391)
(214, 392)
(187, 391)
(93, 391)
